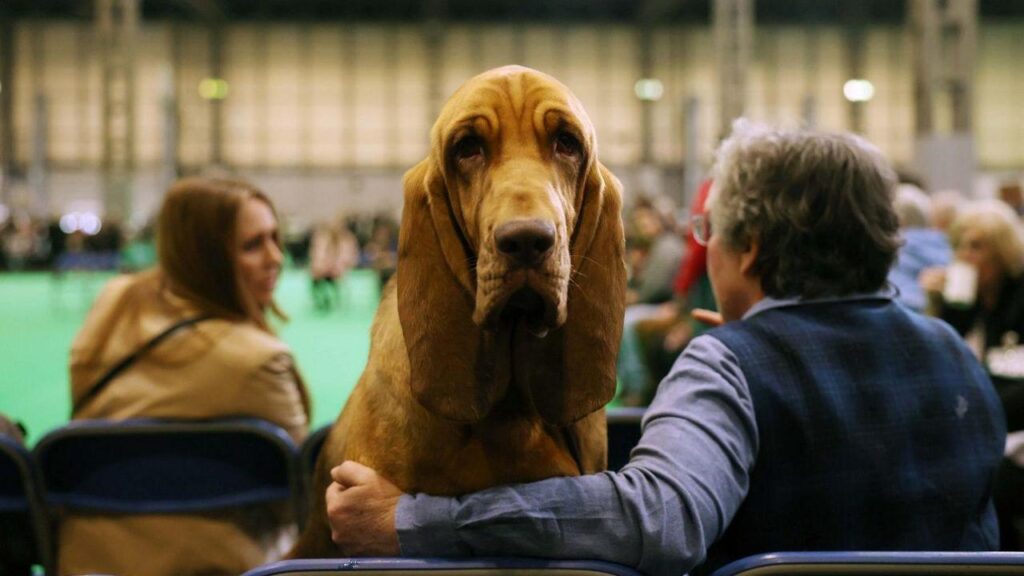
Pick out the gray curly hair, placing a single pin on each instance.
(818, 205)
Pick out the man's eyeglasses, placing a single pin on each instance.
(700, 227)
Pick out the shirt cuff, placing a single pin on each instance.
(426, 527)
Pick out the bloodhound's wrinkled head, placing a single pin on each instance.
(510, 270)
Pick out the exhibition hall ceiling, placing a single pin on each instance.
(653, 11)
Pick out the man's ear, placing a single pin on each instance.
(749, 256)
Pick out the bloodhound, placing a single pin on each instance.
(493, 354)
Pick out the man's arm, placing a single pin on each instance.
(684, 482)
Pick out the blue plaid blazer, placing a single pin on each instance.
(878, 430)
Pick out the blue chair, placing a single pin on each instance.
(308, 453)
(438, 567)
(623, 434)
(22, 516)
(164, 466)
(876, 564)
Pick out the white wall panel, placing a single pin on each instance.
(343, 95)
(998, 114)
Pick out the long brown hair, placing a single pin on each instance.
(196, 245)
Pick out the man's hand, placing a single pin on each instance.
(708, 317)
(361, 509)
(932, 280)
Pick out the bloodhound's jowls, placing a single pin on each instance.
(493, 353)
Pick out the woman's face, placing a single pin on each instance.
(257, 253)
(975, 248)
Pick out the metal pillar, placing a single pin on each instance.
(393, 128)
(171, 133)
(945, 39)
(855, 16)
(433, 35)
(40, 145)
(349, 110)
(216, 61)
(733, 22)
(38, 153)
(434, 12)
(944, 34)
(809, 103)
(692, 175)
(262, 93)
(646, 57)
(172, 108)
(117, 23)
(304, 103)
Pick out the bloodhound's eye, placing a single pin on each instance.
(468, 148)
(568, 145)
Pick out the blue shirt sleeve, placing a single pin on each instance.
(684, 482)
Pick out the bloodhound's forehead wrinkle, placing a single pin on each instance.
(524, 96)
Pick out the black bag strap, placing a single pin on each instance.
(131, 358)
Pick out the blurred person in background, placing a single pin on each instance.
(219, 258)
(655, 250)
(381, 250)
(21, 242)
(1011, 193)
(923, 246)
(664, 333)
(945, 205)
(333, 252)
(987, 237)
(662, 249)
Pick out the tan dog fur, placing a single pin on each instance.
(456, 396)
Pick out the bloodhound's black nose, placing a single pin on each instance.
(525, 242)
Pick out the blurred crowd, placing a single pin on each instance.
(60, 244)
(31, 243)
(668, 277)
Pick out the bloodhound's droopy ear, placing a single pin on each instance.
(454, 370)
(586, 347)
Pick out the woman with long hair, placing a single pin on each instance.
(219, 258)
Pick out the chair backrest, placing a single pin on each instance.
(163, 466)
(308, 453)
(623, 434)
(439, 567)
(21, 510)
(876, 564)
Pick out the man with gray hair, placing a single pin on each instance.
(923, 246)
(819, 416)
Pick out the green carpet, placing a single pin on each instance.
(40, 315)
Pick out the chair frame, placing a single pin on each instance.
(880, 563)
(32, 503)
(78, 429)
(437, 566)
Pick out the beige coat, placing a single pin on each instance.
(216, 368)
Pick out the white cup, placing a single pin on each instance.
(961, 284)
